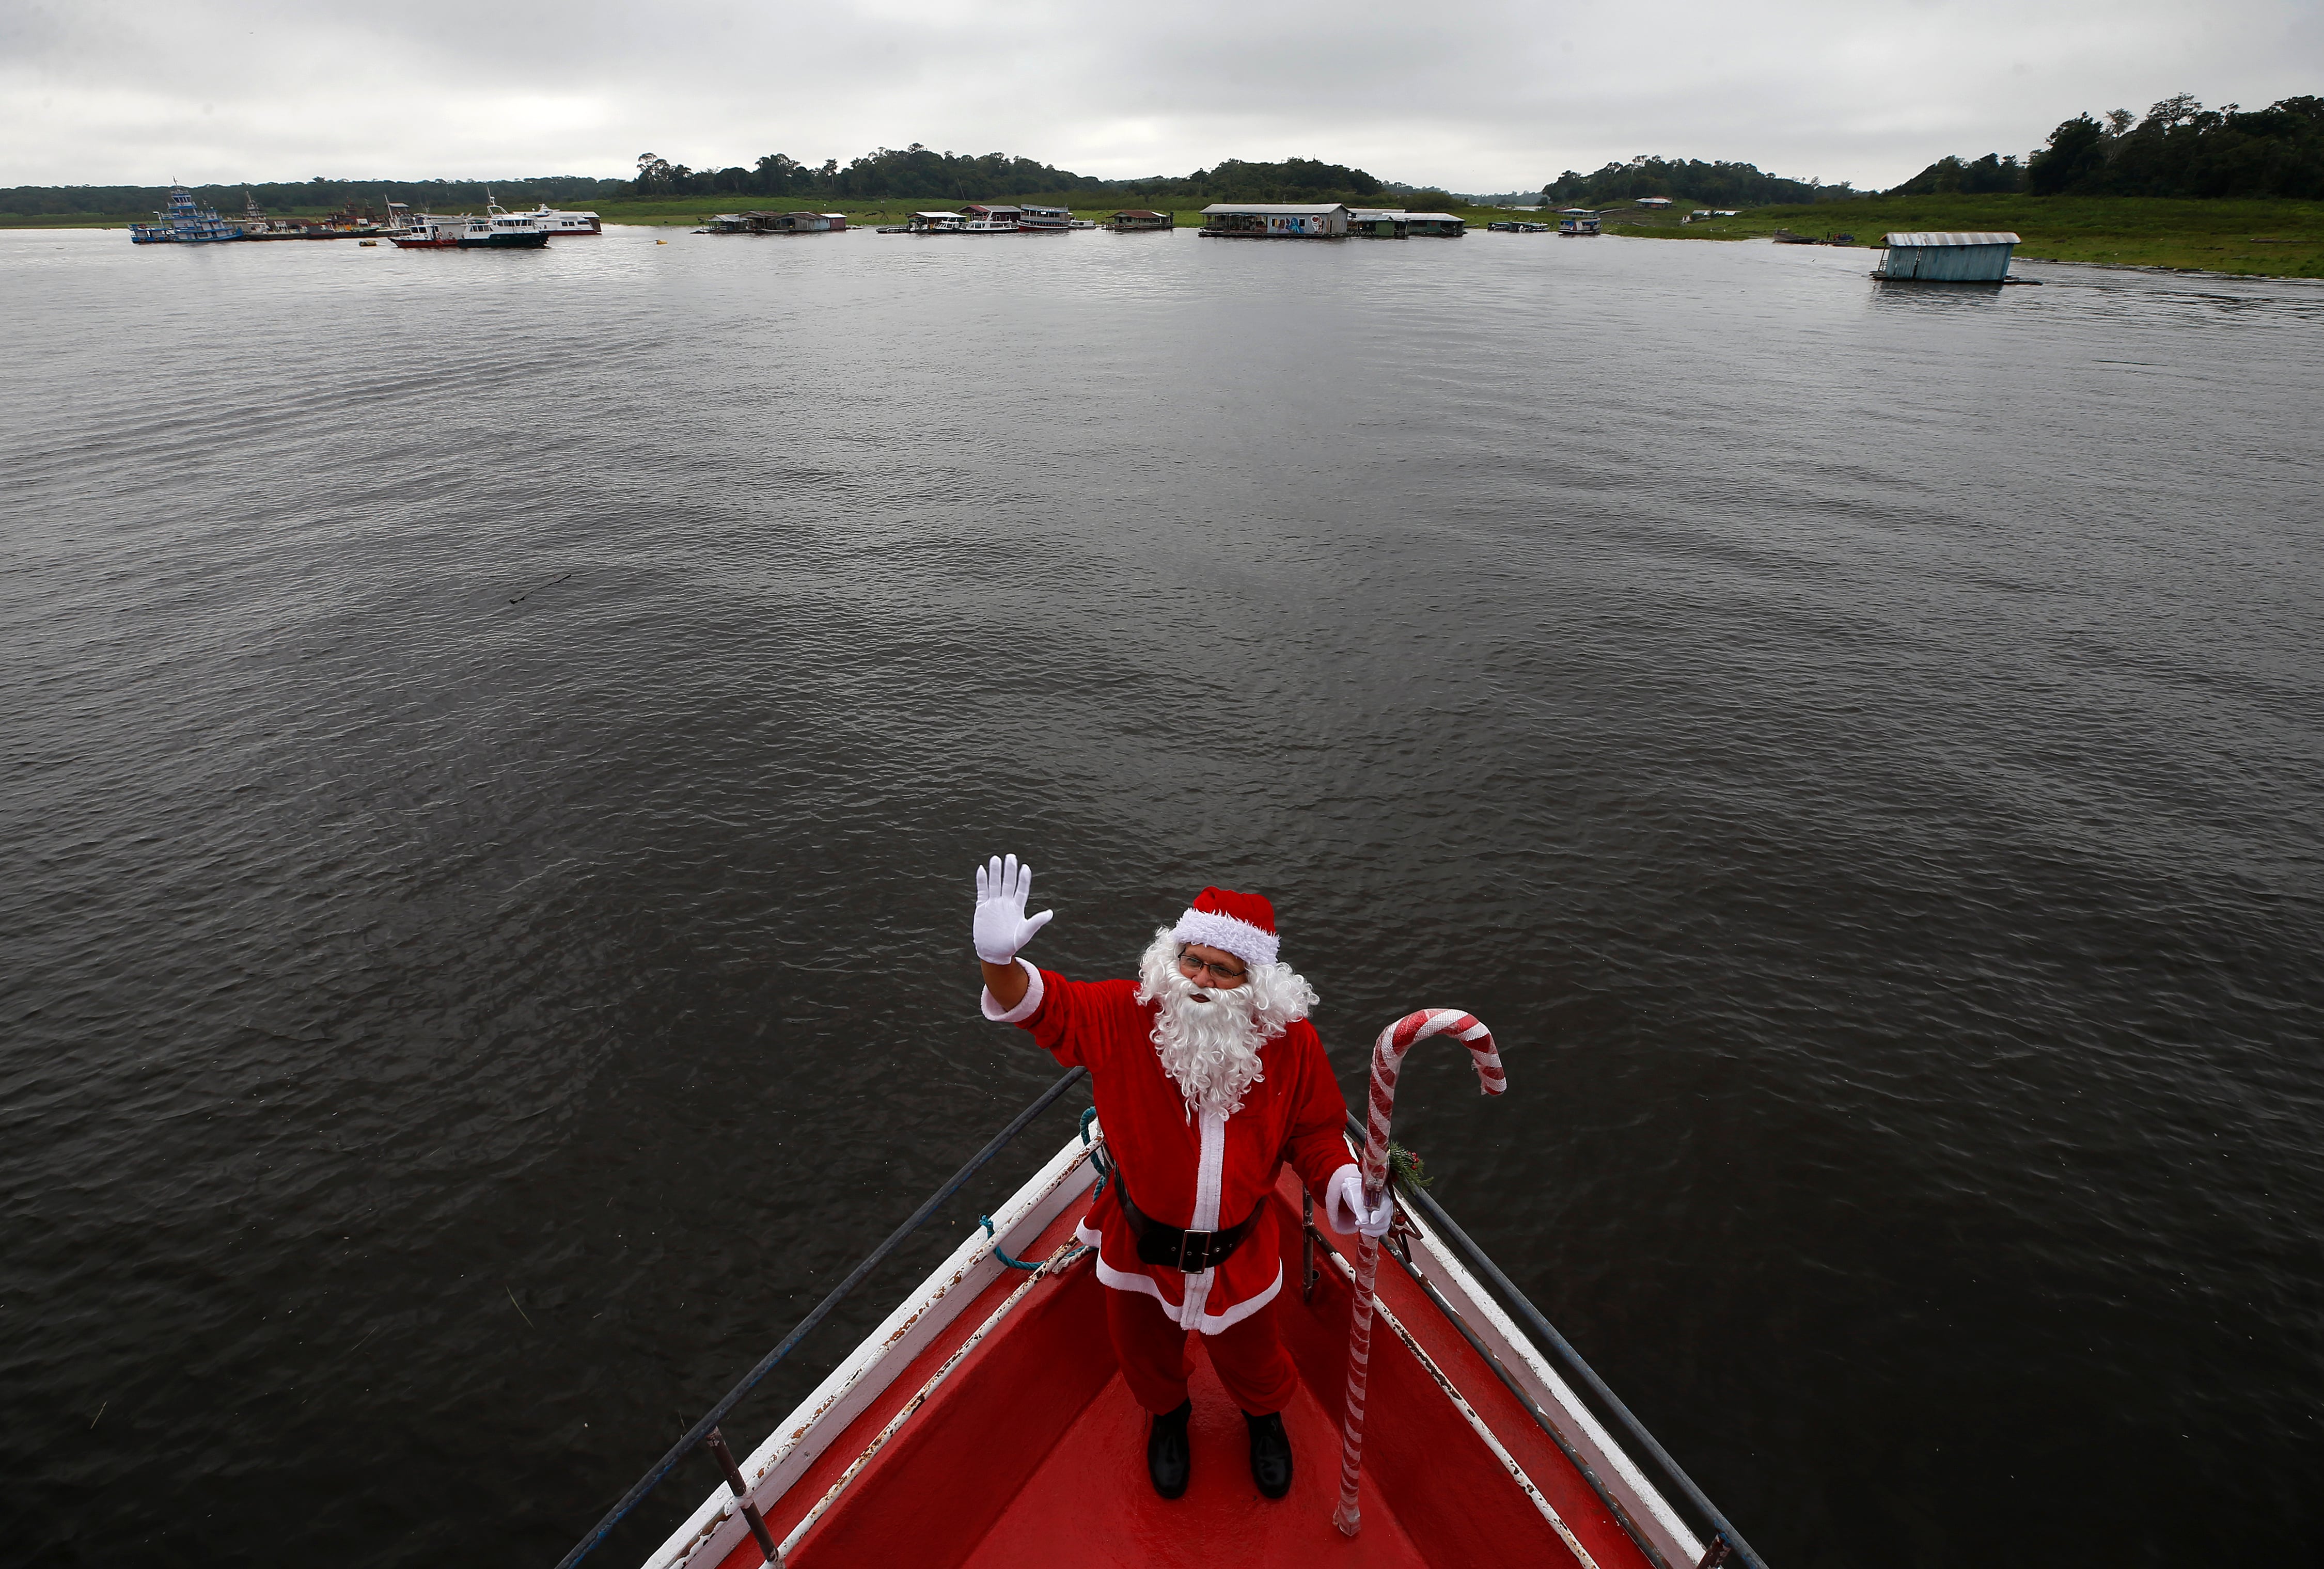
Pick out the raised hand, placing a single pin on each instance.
(1001, 927)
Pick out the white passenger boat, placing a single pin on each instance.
(985, 218)
(429, 232)
(503, 231)
(561, 224)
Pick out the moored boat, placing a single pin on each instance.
(503, 231)
(564, 224)
(184, 222)
(1045, 220)
(986, 218)
(984, 1423)
(428, 232)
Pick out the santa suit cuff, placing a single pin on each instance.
(1336, 1214)
(1026, 1007)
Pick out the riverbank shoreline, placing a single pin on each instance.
(2239, 239)
(2248, 239)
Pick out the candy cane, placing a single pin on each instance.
(1387, 1059)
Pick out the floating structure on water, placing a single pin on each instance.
(1580, 226)
(1517, 226)
(1276, 220)
(1947, 258)
(183, 222)
(1142, 221)
(772, 223)
(1045, 220)
(493, 231)
(1395, 224)
(561, 224)
(990, 218)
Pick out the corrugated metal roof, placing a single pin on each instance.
(1935, 239)
(1287, 209)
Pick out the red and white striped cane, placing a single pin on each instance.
(1388, 1060)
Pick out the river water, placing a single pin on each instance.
(496, 744)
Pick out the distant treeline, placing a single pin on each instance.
(918, 172)
(1734, 184)
(2183, 149)
(2179, 150)
(423, 195)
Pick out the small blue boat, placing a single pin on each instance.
(182, 222)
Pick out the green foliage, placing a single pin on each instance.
(1295, 179)
(2260, 237)
(1951, 176)
(2182, 149)
(2077, 150)
(1406, 1164)
(919, 171)
(314, 196)
(1730, 185)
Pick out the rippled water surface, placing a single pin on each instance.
(495, 745)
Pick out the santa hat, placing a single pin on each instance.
(1243, 924)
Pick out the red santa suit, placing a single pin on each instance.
(1194, 1171)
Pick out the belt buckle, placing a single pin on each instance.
(1188, 1242)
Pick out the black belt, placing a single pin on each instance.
(1191, 1251)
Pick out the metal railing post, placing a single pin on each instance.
(715, 1442)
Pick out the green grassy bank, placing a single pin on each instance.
(2268, 239)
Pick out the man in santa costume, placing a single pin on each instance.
(1207, 1077)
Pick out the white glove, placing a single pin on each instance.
(1344, 1205)
(1002, 928)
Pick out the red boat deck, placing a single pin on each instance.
(1032, 1451)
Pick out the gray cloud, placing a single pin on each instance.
(1477, 94)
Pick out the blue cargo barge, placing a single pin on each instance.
(182, 222)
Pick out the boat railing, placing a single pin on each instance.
(705, 1433)
(1641, 1445)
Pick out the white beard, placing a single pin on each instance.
(1211, 1048)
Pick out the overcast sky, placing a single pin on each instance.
(1477, 94)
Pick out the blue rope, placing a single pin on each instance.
(986, 1221)
(1105, 1167)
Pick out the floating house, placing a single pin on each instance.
(1934, 258)
(1276, 220)
(1518, 227)
(1138, 220)
(766, 223)
(1395, 224)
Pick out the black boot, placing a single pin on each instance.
(1271, 1453)
(1167, 1460)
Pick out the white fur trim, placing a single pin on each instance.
(1024, 1009)
(1210, 1176)
(1241, 937)
(1208, 1323)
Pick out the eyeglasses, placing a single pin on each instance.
(1194, 967)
